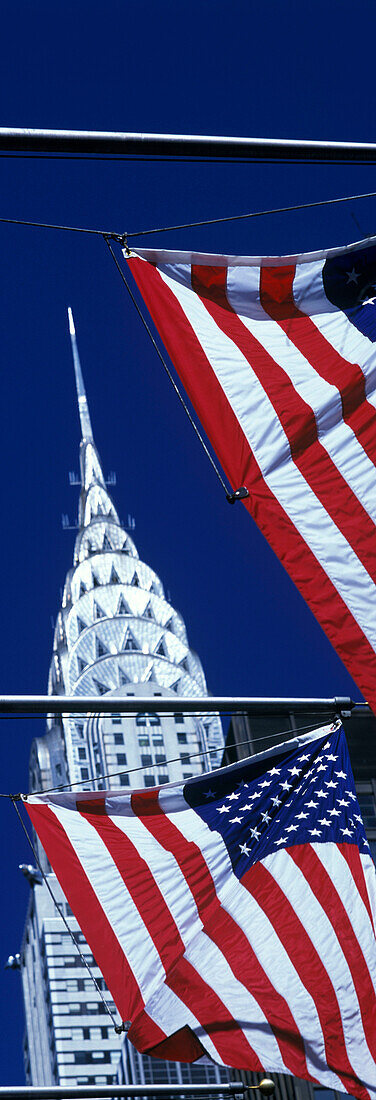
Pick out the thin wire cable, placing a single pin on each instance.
(173, 760)
(65, 228)
(121, 237)
(253, 214)
(168, 372)
(65, 922)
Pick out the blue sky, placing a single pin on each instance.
(291, 70)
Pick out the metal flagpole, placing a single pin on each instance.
(14, 139)
(82, 704)
(77, 1092)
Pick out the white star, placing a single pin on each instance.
(247, 806)
(234, 820)
(358, 818)
(224, 810)
(341, 775)
(346, 832)
(315, 832)
(369, 301)
(319, 759)
(276, 801)
(233, 795)
(342, 802)
(351, 795)
(255, 833)
(274, 771)
(329, 783)
(294, 771)
(303, 758)
(285, 786)
(311, 805)
(334, 813)
(300, 816)
(321, 794)
(321, 768)
(266, 783)
(291, 828)
(327, 746)
(257, 794)
(307, 774)
(323, 821)
(297, 790)
(282, 840)
(246, 851)
(352, 276)
(265, 817)
(330, 757)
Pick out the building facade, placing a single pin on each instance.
(117, 635)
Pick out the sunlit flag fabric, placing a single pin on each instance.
(278, 357)
(232, 915)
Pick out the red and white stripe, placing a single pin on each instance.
(286, 389)
(276, 971)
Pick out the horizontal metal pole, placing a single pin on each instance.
(182, 145)
(164, 704)
(77, 1092)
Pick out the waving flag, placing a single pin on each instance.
(278, 357)
(233, 914)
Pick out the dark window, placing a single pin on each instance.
(121, 758)
(149, 781)
(118, 739)
(178, 717)
(184, 756)
(146, 760)
(160, 758)
(367, 809)
(140, 719)
(86, 1032)
(82, 754)
(182, 738)
(187, 775)
(124, 780)
(162, 779)
(84, 773)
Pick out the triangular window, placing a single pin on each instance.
(149, 613)
(98, 613)
(184, 664)
(96, 582)
(129, 642)
(135, 581)
(123, 679)
(122, 607)
(125, 547)
(114, 579)
(106, 545)
(101, 688)
(81, 664)
(82, 590)
(100, 649)
(99, 509)
(161, 650)
(80, 626)
(168, 625)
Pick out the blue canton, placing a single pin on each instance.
(350, 283)
(298, 795)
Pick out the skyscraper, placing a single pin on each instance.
(116, 634)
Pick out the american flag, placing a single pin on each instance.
(278, 358)
(232, 915)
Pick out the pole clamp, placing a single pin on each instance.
(239, 494)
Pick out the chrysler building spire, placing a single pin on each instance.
(83, 407)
